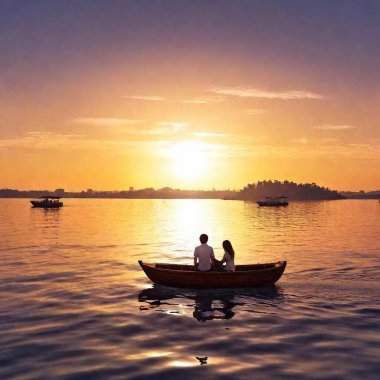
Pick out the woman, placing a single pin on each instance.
(229, 256)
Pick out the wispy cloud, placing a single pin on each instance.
(197, 100)
(132, 126)
(302, 150)
(334, 127)
(41, 140)
(247, 92)
(250, 112)
(235, 146)
(254, 111)
(149, 98)
(207, 134)
(197, 148)
(107, 121)
(167, 127)
(204, 100)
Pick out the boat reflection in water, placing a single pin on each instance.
(209, 304)
(273, 201)
(207, 308)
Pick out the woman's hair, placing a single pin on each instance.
(227, 246)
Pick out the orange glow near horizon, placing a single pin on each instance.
(185, 139)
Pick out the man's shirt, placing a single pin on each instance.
(204, 253)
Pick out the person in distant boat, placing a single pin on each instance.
(203, 255)
(229, 257)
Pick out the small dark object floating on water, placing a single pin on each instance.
(202, 360)
(273, 201)
(47, 202)
(184, 276)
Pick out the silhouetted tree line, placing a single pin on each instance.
(361, 194)
(254, 191)
(147, 193)
(292, 190)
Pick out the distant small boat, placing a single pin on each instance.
(47, 202)
(273, 201)
(184, 276)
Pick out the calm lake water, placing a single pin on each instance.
(75, 305)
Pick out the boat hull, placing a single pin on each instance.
(184, 276)
(272, 204)
(46, 205)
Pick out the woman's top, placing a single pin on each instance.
(230, 262)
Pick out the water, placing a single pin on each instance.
(75, 305)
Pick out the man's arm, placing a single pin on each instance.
(195, 259)
(212, 255)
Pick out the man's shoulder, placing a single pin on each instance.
(204, 247)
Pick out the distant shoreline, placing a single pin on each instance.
(221, 199)
(199, 198)
(251, 192)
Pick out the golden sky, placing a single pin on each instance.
(151, 96)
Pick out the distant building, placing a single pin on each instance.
(131, 188)
(59, 191)
(90, 191)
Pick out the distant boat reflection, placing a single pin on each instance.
(210, 304)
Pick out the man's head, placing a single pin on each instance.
(203, 238)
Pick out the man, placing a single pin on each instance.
(203, 255)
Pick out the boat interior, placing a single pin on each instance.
(238, 268)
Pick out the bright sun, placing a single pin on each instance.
(189, 159)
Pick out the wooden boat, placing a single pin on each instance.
(47, 202)
(273, 201)
(184, 276)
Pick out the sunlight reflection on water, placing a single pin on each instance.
(76, 305)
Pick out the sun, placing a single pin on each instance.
(189, 159)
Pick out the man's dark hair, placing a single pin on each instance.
(203, 238)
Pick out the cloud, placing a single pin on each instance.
(167, 127)
(204, 100)
(199, 100)
(196, 148)
(250, 112)
(41, 140)
(300, 151)
(38, 133)
(236, 146)
(246, 92)
(134, 127)
(107, 121)
(149, 98)
(330, 127)
(206, 134)
(254, 111)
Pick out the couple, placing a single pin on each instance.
(204, 258)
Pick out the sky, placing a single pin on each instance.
(108, 94)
